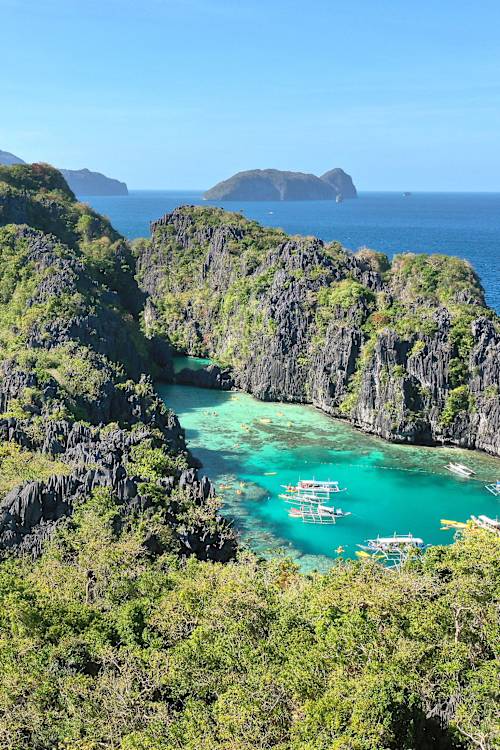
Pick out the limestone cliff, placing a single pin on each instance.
(75, 380)
(407, 350)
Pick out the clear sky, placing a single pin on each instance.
(182, 93)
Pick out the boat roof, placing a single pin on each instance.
(408, 539)
(491, 521)
(318, 482)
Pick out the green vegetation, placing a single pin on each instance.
(378, 262)
(345, 294)
(104, 647)
(18, 465)
(417, 348)
(153, 463)
(437, 278)
(459, 401)
(69, 303)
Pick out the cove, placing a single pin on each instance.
(249, 448)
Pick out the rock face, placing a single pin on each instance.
(207, 377)
(85, 182)
(30, 512)
(409, 352)
(75, 379)
(341, 182)
(276, 185)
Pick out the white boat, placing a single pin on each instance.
(485, 522)
(317, 513)
(313, 486)
(317, 484)
(494, 488)
(390, 543)
(460, 470)
(394, 550)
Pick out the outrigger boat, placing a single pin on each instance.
(386, 543)
(317, 513)
(308, 498)
(485, 522)
(460, 470)
(494, 488)
(395, 549)
(311, 485)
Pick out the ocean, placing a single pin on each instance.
(462, 224)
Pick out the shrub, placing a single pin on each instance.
(459, 400)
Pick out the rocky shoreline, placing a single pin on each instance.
(408, 360)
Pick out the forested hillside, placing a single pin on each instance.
(130, 618)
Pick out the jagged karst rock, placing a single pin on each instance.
(30, 512)
(211, 376)
(409, 352)
(77, 352)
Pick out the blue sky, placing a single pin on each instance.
(182, 93)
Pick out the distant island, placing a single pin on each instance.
(85, 182)
(276, 185)
(80, 181)
(8, 159)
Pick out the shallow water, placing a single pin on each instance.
(194, 363)
(249, 448)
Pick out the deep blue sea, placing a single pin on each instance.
(463, 224)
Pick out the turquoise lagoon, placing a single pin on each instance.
(249, 448)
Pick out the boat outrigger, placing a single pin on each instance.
(308, 499)
(385, 543)
(394, 549)
(317, 513)
(485, 522)
(494, 488)
(460, 470)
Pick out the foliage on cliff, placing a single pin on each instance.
(103, 646)
(69, 303)
(386, 345)
(78, 411)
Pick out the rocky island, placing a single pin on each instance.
(276, 185)
(80, 181)
(407, 350)
(7, 159)
(84, 182)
